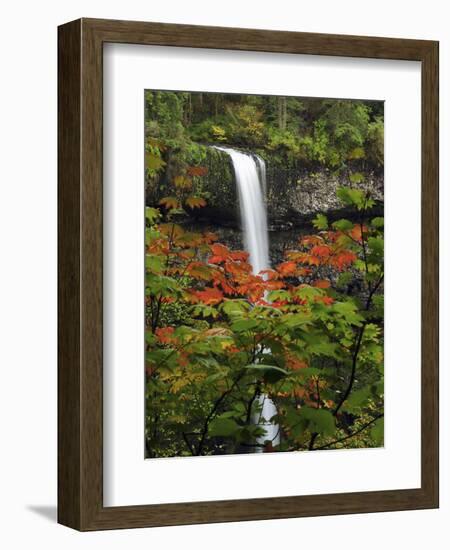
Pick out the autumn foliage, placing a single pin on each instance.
(307, 333)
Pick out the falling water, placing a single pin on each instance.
(252, 206)
(250, 171)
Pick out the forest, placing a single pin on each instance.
(264, 320)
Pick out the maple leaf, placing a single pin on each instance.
(182, 182)
(294, 363)
(344, 259)
(311, 240)
(239, 255)
(357, 232)
(238, 268)
(169, 202)
(199, 270)
(321, 251)
(273, 285)
(165, 335)
(209, 296)
(221, 253)
(321, 283)
(195, 202)
(197, 170)
(311, 260)
(285, 269)
(153, 162)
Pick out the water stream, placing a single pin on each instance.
(250, 172)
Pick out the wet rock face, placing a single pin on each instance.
(294, 197)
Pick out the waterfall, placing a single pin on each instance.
(251, 202)
(250, 172)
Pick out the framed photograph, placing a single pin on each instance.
(248, 274)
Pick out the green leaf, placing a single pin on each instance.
(377, 222)
(155, 263)
(344, 279)
(349, 312)
(376, 245)
(244, 325)
(357, 177)
(353, 197)
(295, 320)
(320, 222)
(318, 420)
(357, 399)
(324, 348)
(270, 373)
(160, 285)
(153, 162)
(343, 225)
(356, 153)
(377, 432)
(223, 427)
(235, 308)
(202, 310)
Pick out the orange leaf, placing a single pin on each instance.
(311, 240)
(321, 283)
(287, 268)
(322, 251)
(170, 202)
(357, 232)
(294, 363)
(165, 334)
(195, 202)
(344, 259)
(197, 170)
(182, 182)
(209, 296)
(239, 255)
(221, 253)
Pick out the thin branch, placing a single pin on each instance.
(213, 412)
(188, 443)
(252, 400)
(353, 372)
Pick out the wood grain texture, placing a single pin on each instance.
(69, 248)
(80, 398)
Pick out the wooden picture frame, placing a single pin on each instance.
(80, 271)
